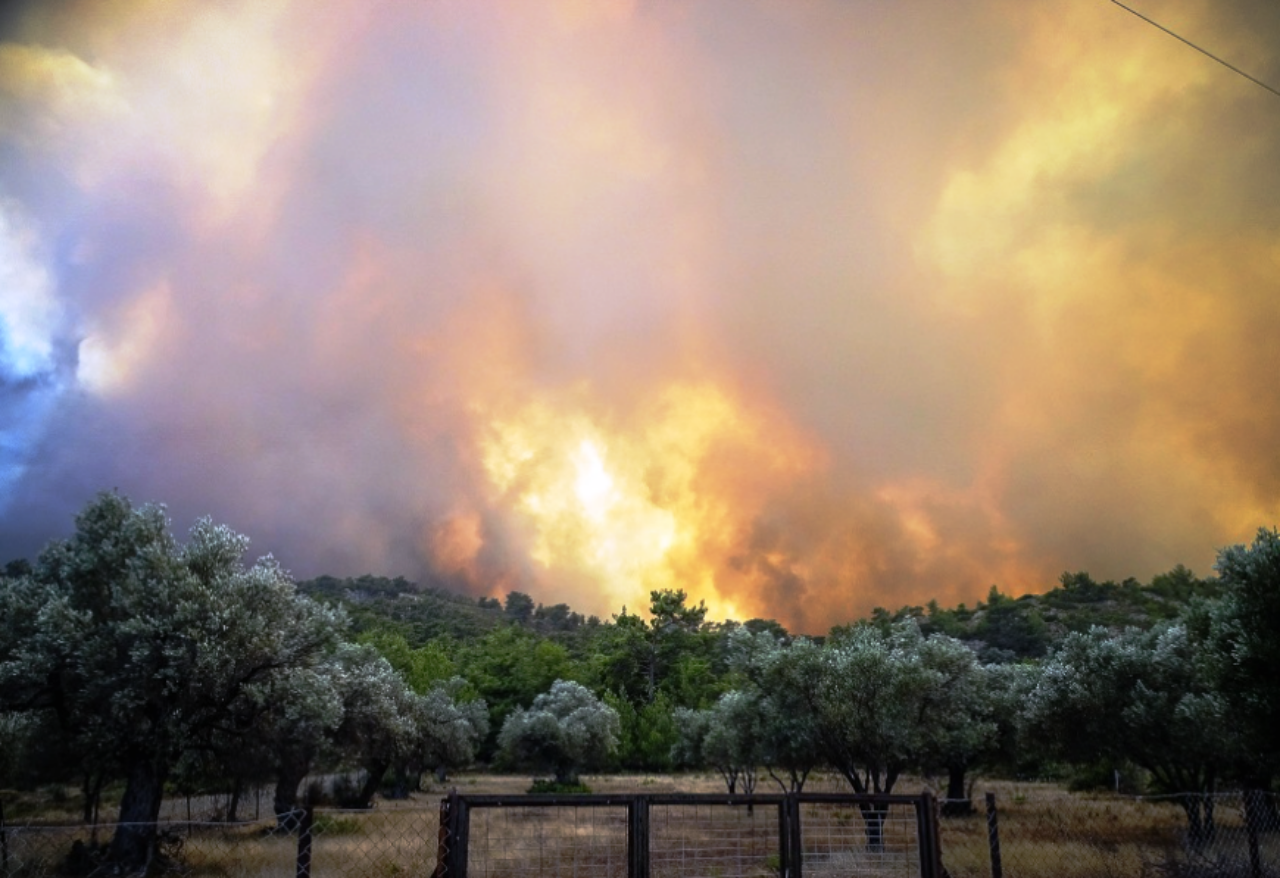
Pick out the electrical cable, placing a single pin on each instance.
(1225, 64)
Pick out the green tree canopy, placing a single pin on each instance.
(566, 729)
(1244, 633)
(729, 737)
(1147, 697)
(142, 648)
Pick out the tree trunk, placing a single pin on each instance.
(797, 780)
(289, 776)
(566, 774)
(376, 769)
(233, 803)
(400, 782)
(652, 676)
(873, 817)
(139, 808)
(730, 779)
(92, 788)
(86, 787)
(1200, 823)
(957, 803)
(794, 782)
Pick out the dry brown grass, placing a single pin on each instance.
(1044, 831)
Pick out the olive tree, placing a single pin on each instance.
(729, 737)
(960, 711)
(564, 730)
(1148, 697)
(787, 736)
(1242, 633)
(296, 732)
(447, 731)
(880, 702)
(386, 725)
(141, 648)
(377, 715)
(354, 708)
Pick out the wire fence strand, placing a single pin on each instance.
(1040, 834)
(1065, 835)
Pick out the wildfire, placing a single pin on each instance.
(659, 502)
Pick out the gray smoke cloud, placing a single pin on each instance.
(804, 307)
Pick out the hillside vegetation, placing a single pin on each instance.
(128, 657)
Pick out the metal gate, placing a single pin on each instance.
(685, 836)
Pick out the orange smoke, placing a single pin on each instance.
(655, 501)
(587, 298)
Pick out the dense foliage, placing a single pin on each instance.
(564, 730)
(127, 656)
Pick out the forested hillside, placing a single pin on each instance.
(1000, 628)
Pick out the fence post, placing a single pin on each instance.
(993, 837)
(795, 846)
(461, 829)
(784, 837)
(304, 843)
(443, 839)
(927, 828)
(1252, 817)
(638, 837)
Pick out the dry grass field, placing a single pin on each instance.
(1046, 832)
(1043, 831)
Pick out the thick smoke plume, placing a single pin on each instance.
(803, 307)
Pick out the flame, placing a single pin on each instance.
(626, 510)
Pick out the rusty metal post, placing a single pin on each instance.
(442, 841)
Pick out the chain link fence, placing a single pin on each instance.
(352, 844)
(1043, 833)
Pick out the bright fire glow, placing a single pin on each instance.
(625, 511)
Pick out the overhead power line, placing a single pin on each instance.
(1206, 52)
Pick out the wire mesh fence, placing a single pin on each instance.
(1037, 832)
(665, 836)
(1042, 833)
(871, 837)
(708, 836)
(522, 838)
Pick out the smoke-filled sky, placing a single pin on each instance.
(804, 306)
